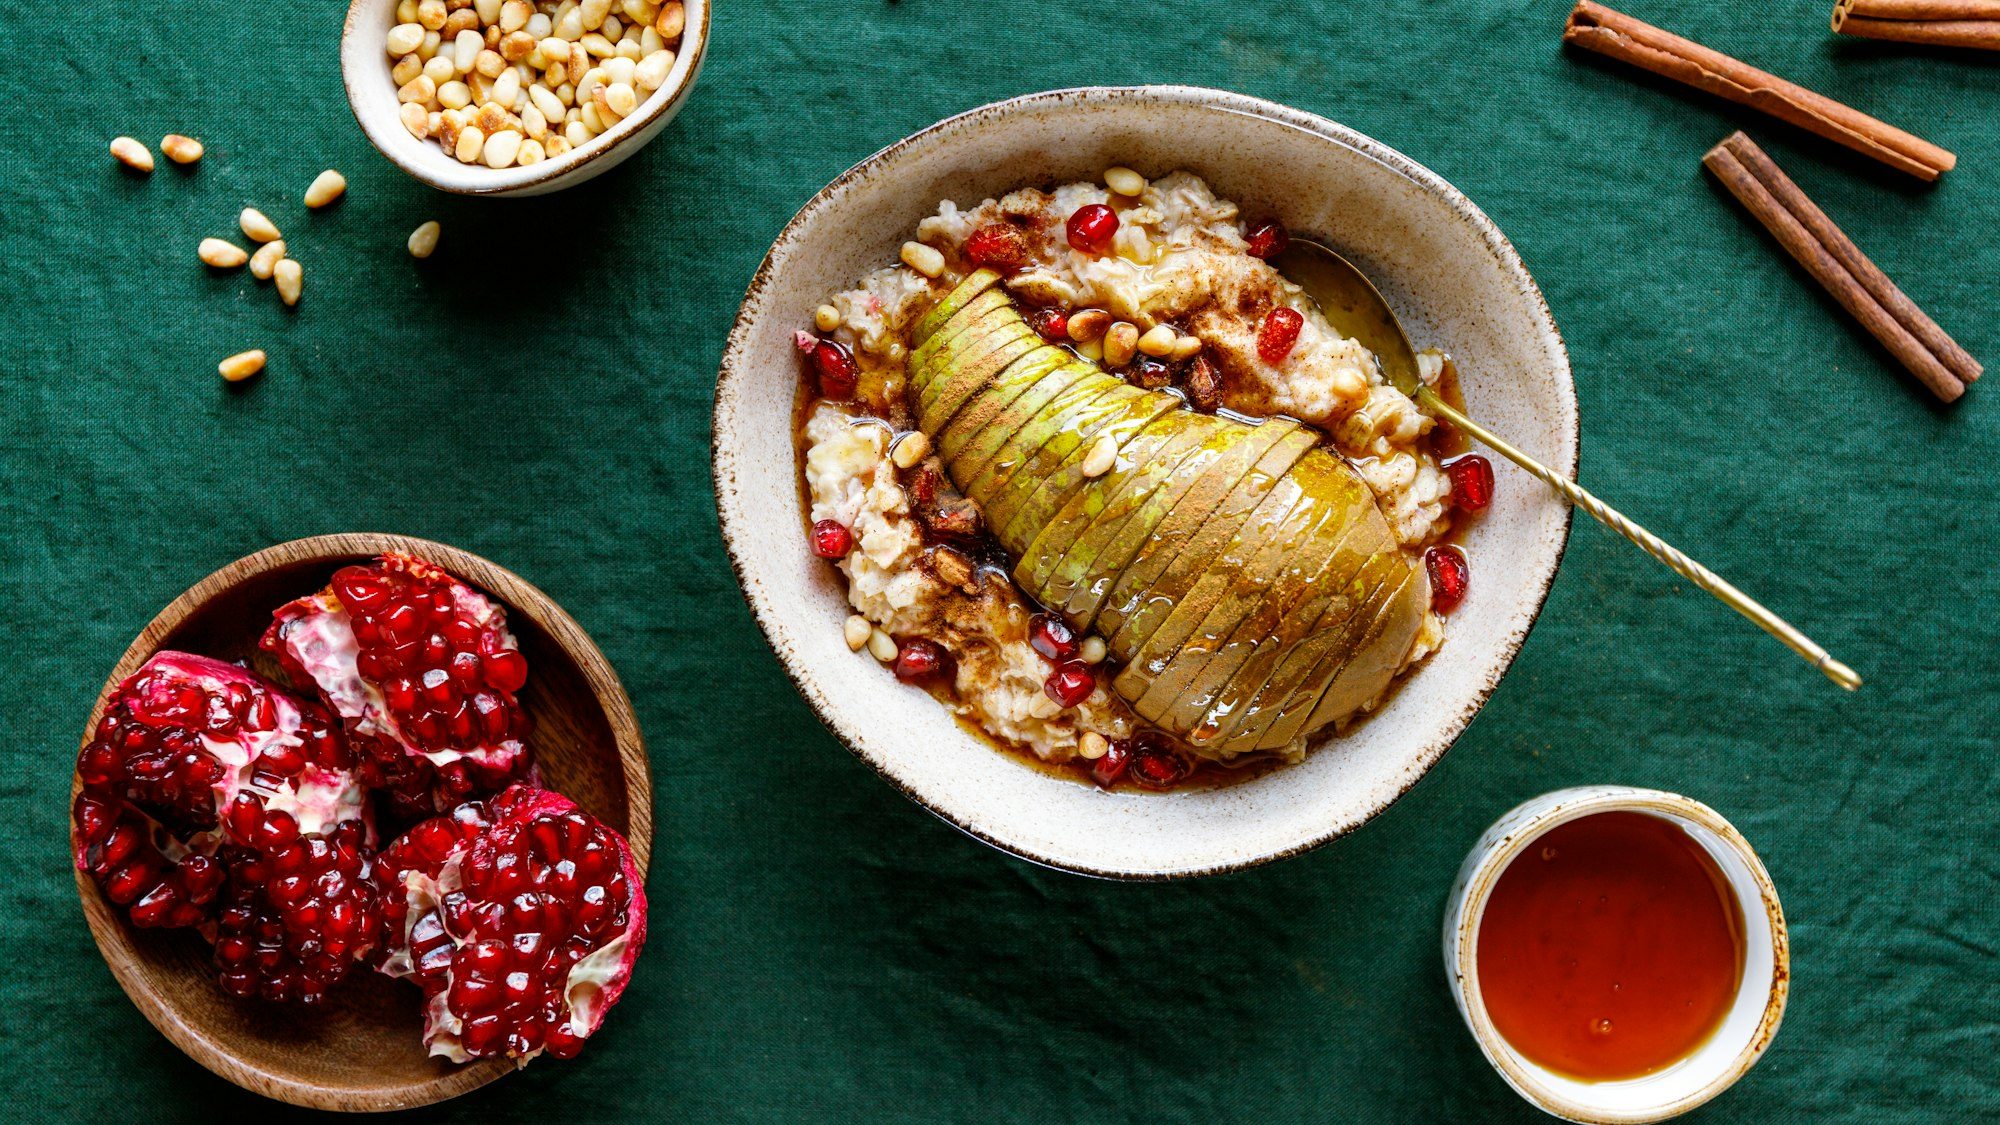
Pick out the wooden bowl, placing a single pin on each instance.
(362, 1049)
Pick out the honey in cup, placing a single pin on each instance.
(1610, 948)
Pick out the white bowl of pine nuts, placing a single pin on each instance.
(518, 97)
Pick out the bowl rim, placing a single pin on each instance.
(733, 370)
(1530, 821)
(520, 597)
(505, 181)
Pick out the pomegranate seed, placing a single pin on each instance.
(1268, 239)
(1052, 637)
(1051, 324)
(1471, 482)
(831, 539)
(1450, 576)
(1158, 767)
(1091, 228)
(838, 376)
(506, 670)
(1278, 333)
(1071, 683)
(999, 245)
(918, 660)
(1107, 770)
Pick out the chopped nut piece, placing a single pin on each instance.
(132, 154)
(1092, 650)
(222, 254)
(424, 239)
(1157, 341)
(258, 225)
(1092, 746)
(265, 261)
(1088, 324)
(242, 365)
(923, 259)
(180, 149)
(1204, 385)
(290, 276)
(325, 188)
(1124, 181)
(952, 567)
(857, 632)
(910, 449)
(1102, 456)
(1121, 341)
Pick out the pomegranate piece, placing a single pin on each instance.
(835, 367)
(1052, 637)
(1091, 228)
(423, 673)
(1000, 246)
(298, 916)
(1471, 482)
(519, 917)
(193, 754)
(1107, 770)
(1278, 333)
(919, 660)
(1071, 683)
(127, 853)
(1051, 324)
(831, 539)
(1450, 576)
(1268, 239)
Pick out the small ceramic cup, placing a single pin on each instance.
(364, 68)
(1745, 1032)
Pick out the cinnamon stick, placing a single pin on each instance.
(1841, 268)
(1938, 23)
(1595, 27)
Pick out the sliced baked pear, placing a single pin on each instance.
(1020, 377)
(977, 282)
(1057, 468)
(1018, 449)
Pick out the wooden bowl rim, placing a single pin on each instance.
(520, 597)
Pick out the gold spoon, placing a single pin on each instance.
(1353, 305)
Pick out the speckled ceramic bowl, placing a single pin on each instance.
(364, 68)
(1452, 276)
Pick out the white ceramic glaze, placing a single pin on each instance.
(1729, 1054)
(1453, 277)
(364, 68)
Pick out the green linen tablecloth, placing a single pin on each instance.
(824, 950)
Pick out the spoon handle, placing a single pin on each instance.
(1651, 544)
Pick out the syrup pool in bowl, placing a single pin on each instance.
(1611, 948)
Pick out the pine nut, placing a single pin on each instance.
(826, 318)
(415, 120)
(406, 12)
(501, 148)
(671, 20)
(419, 90)
(489, 10)
(577, 134)
(1124, 181)
(490, 63)
(242, 365)
(531, 152)
(1120, 342)
(1088, 324)
(465, 49)
(1158, 341)
(1043, 707)
(857, 632)
(507, 89)
(1350, 384)
(924, 259)
(265, 261)
(515, 14)
(132, 154)
(404, 39)
(881, 645)
(424, 239)
(910, 449)
(651, 73)
(1092, 746)
(431, 13)
(257, 225)
(470, 140)
(325, 188)
(222, 254)
(406, 70)
(1092, 350)
(1092, 650)
(439, 69)
(556, 145)
(1102, 456)
(1185, 347)
(620, 70)
(290, 276)
(179, 149)
(454, 95)
(623, 100)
